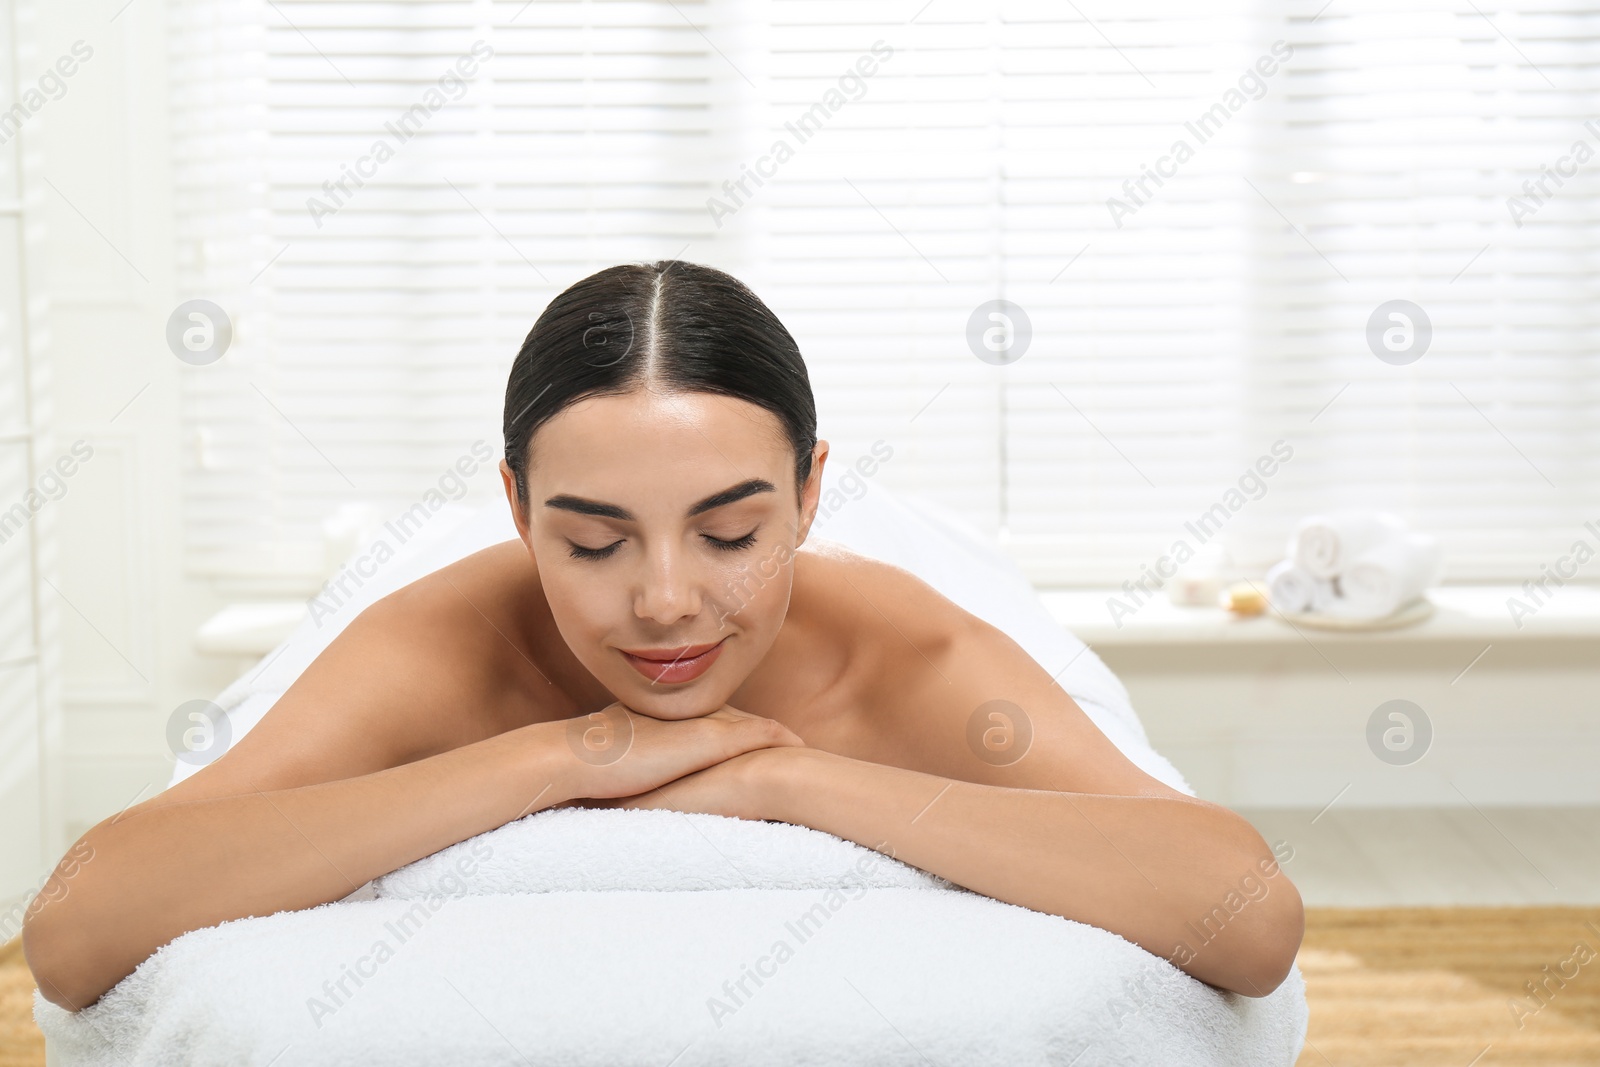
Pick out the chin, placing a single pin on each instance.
(685, 700)
(689, 702)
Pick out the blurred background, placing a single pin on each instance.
(1105, 278)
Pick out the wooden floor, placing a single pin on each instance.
(1388, 983)
(1444, 987)
(21, 1044)
(1402, 857)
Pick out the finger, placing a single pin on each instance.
(775, 733)
(793, 738)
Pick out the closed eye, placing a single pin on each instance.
(580, 552)
(732, 546)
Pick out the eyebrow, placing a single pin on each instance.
(748, 487)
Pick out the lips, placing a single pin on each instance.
(666, 666)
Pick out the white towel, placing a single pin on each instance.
(1325, 545)
(564, 850)
(825, 953)
(1384, 579)
(1292, 590)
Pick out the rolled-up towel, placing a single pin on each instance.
(1291, 589)
(1384, 579)
(1326, 545)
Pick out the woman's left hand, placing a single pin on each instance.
(738, 787)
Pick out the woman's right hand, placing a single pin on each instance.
(621, 753)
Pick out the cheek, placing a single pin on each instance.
(577, 603)
(755, 590)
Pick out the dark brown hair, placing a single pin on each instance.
(683, 326)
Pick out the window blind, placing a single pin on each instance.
(1198, 213)
(1230, 312)
(388, 194)
(878, 236)
(1401, 157)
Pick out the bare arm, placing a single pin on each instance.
(1181, 878)
(179, 866)
(974, 765)
(159, 873)
(1184, 879)
(366, 764)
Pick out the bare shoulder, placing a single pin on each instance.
(849, 585)
(945, 692)
(439, 663)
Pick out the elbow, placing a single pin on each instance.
(1275, 946)
(1264, 956)
(56, 966)
(69, 970)
(60, 941)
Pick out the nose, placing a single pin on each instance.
(668, 590)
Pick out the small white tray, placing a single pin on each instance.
(1408, 615)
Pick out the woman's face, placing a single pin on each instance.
(664, 527)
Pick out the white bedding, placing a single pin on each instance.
(612, 937)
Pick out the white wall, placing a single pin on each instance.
(127, 659)
(29, 702)
(1278, 725)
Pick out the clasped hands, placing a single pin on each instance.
(726, 762)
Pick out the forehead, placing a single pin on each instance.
(683, 441)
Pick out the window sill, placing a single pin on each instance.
(1463, 613)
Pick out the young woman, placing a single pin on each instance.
(657, 638)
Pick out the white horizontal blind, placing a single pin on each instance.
(1124, 221)
(1231, 313)
(1406, 132)
(878, 236)
(1189, 308)
(233, 522)
(378, 321)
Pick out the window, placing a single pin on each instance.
(1197, 211)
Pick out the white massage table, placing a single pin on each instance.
(613, 937)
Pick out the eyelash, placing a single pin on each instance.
(737, 543)
(580, 552)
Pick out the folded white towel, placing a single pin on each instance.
(563, 850)
(857, 967)
(1292, 589)
(1325, 545)
(1385, 578)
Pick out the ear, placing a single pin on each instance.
(811, 493)
(518, 515)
